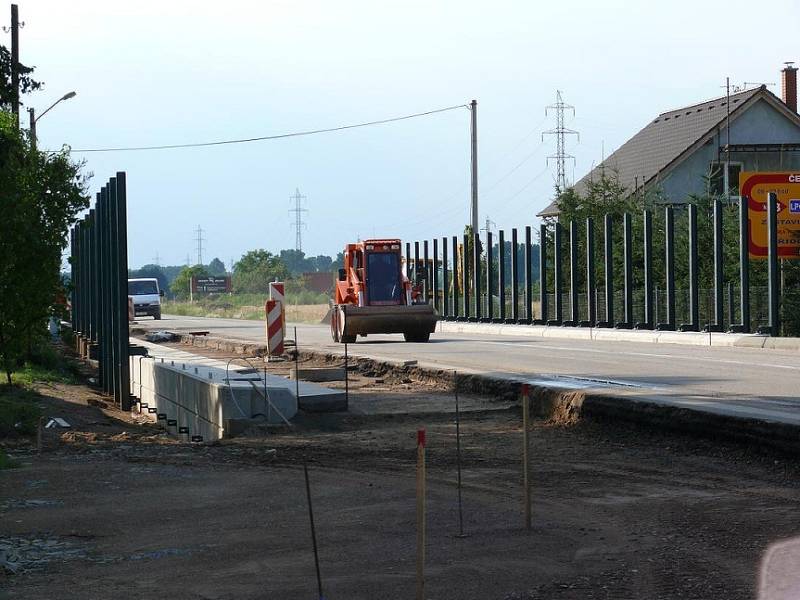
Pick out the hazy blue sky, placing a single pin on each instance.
(173, 72)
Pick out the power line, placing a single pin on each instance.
(299, 224)
(507, 203)
(517, 166)
(274, 137)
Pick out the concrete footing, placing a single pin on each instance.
(318, 374)
(690, 338)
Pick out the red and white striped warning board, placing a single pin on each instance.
(277, 291)
(276, 317)
(274, 310)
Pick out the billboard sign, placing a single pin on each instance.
(754, 188)
(211, 285)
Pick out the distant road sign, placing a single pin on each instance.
(211, 285)
(754, 188)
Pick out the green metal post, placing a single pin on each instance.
(123, 340)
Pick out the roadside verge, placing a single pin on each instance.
(563, 402)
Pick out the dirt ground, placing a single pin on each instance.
(114, 508)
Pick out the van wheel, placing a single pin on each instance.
(157, 316)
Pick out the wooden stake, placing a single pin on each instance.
(526, 482)
(420, 514)
(313, 532)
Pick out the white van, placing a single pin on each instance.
(146, 297)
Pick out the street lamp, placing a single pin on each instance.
(34, 118)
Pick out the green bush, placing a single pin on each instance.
(19, 413)
(6, 462)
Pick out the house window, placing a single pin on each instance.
(719, 180)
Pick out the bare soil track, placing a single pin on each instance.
(113, 508)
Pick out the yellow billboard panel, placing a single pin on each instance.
(754, 188)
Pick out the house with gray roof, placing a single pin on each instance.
(682, 151)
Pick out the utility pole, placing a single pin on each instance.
(728, 140)
(473, 107)
(199, 245)
(32, 119)
(299, 224)
(15, 61)
(560, 131)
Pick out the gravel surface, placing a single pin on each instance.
(114, 508)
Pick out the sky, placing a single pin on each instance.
(156, 72)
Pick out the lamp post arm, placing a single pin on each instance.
(64, 97)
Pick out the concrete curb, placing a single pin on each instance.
(564, 405)
(234, 346)
(688, 338)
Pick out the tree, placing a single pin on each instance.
(321, 263)
(40, 197)
(216, 267)
(151, 271)
(26, 82)
(295, 261)
(181, 284)
(255, 270)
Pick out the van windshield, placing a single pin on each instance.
(140, 288)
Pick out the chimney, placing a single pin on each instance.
(789, 86)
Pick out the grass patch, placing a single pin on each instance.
(7, 462)
(19, 402)
(19, 411)
(32, 373)
(45, 364)
(307, 307)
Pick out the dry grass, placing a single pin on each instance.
(306, 313)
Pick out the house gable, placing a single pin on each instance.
(675, 150)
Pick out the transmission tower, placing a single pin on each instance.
(299, 224)
(200, 241)
(560, 131)
(489, 225)
(157, 260)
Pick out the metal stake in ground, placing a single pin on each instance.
(420, 514)
(296, 368)
(313, 532)
(526, 483)
(461, 533)
(346, 378)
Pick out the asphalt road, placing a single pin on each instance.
(760, 383)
